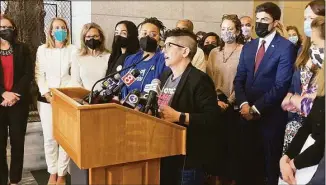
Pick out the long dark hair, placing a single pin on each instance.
(297, 31)
(208, 35)
(237, 23)
(133, 44)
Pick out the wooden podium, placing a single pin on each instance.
(116, 144)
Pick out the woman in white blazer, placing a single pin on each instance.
(90, 63)
(53, 62)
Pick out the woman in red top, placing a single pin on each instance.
(15, 79)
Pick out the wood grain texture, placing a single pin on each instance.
(136, 173)
(109, 134)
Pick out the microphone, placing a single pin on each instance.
(132, 99)
(143, 100)
(154, 86)
(112, 74)
(127, 80)
(109, 85)
(152, 90)
(118, 83)
(111, 82)
(95, 97)
(151, 101)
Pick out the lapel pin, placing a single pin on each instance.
(272, 46)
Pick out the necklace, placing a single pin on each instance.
(226, 59)
(6, 52)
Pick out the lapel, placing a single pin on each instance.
(270, 50)
(15, 57)
(252, 54)
(181, 84)
(164, 77)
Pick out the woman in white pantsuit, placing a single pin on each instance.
(52, 70)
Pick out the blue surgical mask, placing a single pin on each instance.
(307, 27)
(60, 35)
(294, 39)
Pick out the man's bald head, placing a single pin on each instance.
(246, 20)
(185, 24)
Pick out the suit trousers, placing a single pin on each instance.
(260, 153)
(15, 119)
(56, 158)
(174, 170)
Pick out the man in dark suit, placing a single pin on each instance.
(187, 98)
(262, 81)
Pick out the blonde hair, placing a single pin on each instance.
(280, 29)
(84, 49)
(50, 39)
(319, 23)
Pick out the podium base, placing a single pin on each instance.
(138, 173)
(78, 176)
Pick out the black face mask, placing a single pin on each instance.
(93, 43)
(121, 41)
(262, 29)
(8, 35)
(148, 44)
(208, 48)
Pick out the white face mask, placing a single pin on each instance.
(294, 39)
(246, 31)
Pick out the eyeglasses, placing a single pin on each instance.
(168, 45)
(6, 27)
(230, 16)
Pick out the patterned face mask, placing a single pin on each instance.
(317, 56)
(228, 37)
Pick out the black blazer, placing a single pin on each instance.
(314, 125)
(23, 72)
(195, 94)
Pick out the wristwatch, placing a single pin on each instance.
(182, 118)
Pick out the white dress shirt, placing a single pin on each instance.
(52, 67)
(268, 39)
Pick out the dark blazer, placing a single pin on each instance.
(23, 72)
(267, 88)
(314, 125)
(195, 94)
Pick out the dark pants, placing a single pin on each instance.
(251, 161)
(174, 170)
(14, 118)
(228, 148)
(261, 150)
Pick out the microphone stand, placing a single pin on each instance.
(112, 74)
